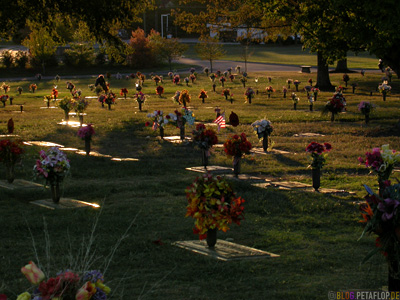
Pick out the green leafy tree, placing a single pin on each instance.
(41, 45)
(210, 49)
(82, 47)
(166, 50)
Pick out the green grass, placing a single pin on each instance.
(287, 55)
(315, 234)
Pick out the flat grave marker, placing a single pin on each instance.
(19, 184)
(213, 169)
(65, 203)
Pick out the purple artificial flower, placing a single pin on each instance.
(388, 207)
(93, 276)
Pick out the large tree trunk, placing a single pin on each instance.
(341, 66)
(323, 81)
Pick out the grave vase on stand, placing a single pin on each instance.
(66, 115)
(316, 178)
(10, 173)
(265, 141)
(211, 237)
(55, 191)
(162, 132)
(87, 145)
(205, 153)
(182, 132)
(236, 165)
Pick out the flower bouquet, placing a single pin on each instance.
(66, 104)
(212, 77)
(124, 92)
(192, 77)
(263, 129)
(159, 90)
(5, 87)
(236, 146)
(284, 91)
(176, 79)
(346, 78)
(310, 81)
(10, 155)
(249, 94)
(180, 118)
(70, 86)
(53, 166)
(175, 98)
(296, 84)
(315, 92)
(203, 95)
(243, 80)
(19, 90)
(33, 87)
(80, 105)
(213, 205)
(65, 285)
(319, 153)
(381, 161)
(231, 77)
(140, 98)
(222, 79)
(311, 100)
(269, 90)
(295, 100)
(226, 93)
(204, 139)
(384, 89)
(289, 82)
(187, 81)
(86, 133)
(109, 99)
(159, 121)
(156, 79)
(335, 105)
(184, 98)
(365, 107)
(54, 93)
(4, 98)
(192, 70)
(206, 70)
(47, 99)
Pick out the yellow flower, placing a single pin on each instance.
(24, 296)
(33, 273)
(103, 287)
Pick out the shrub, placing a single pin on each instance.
(7, 58)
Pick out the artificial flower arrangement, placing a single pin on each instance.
(80, 105)
(319, 153)
(53, 165)
(192, 70)
(213, 205)
(47, 99)
(70, 86)
(66, 284)
(212, 77)
(310, 81)
(296, 84)
(243, 80)
(156, 79)
(289, 82)
(222, 79)
(5, 87)
(315, 92)
(33, 87)
(204, 138)
(295, 98)
(171, 76)
(140, 97)
(231, 77)
(10, 152)
(109, 99)
(226, 93)
(249, 94)
(206, 70)
(192, 77)
(54, 93)
(66, 104)
(159, 121)
(86, 132)
(124, 92)
(19, 90)
(237, 145)
(203, 95)
(365, 107)
(262, 127)
(159, 90)
(186, 81)
(184, 98)
(4, 98)
(176, 79)
(385, 89)
(335, 105)
(284, 91)
(269, 90)
(180, 118)
(175, 98)
(381, 161)
(346, 78)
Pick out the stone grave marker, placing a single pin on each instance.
(65, 203)
(212, 169)
(19, 184)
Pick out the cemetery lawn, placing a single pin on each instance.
(287, 55)
(315, 234)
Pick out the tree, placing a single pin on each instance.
(142, 55)
(210, 49)
(166, 49)
(82, 46)
(42, 46)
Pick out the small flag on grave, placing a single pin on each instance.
(220, 121)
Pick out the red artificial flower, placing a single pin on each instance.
(147, 124)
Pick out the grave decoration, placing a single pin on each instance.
(381, 161)
(124, 92)
(206, 70)
(203, 95)
(70, 86)
(66, 104)
(53, 166)
(159, 90)
(243, 80)
(192, 70)
(5, 87)
(180, 118)
(310, 81)
(263, 129)
(10, 126)
(381, 215)
(67, 284)
(192, 78)
(315, 92)
(335, 105)
(47, 99)
(226, 73)
(186, 81)
(249, 94)
(212, 77)
(296, 84)
(354, 85)
(346, 78)
(175, 98)
(231, 77)
(226, 93)
(10, 155)
(236, 146)
(284, 91)
(57, 78)
(366, 107)
(311, 101)
(237, 69)
(3, 99)
(33, 87)
(384, 89)
(86, 133)
(176, 79)
(184, 98)
(80, 105)
(171, 76)
(269, 79)
(109, 99)
(19, 90)
(156, 79)
(308, 89)
(159, 121)
(140, 98)
(234, 119)
(269, 90)
(214, 206)
(222, 79)
(319, 153)
(204, 139)
(218, 73)
(289, 82)
(295, 100)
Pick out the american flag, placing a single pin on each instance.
(220, 121)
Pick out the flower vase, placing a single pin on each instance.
(226, 97)
(109, 106)
(269, 95)
(316, 178)
(161, 132)
(211, 237)
(236, 165)
(182, 132)
(66, 115)
(204, 157)
(295, 106)
(366, 118)
(48, 104)
(102, 104)
(311, 107)
(80, 120)
(284, 94)
(332, 116)
(140, 106)
(315, 97)
(10, 174)
(384, 96)
(297, 87)
(87, 145)
(55, 192)
(202, 100)
(382, 186)
(249, 98)
(265, 141)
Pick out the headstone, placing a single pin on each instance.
(19, 184)
(212, 169)
(65, 203)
